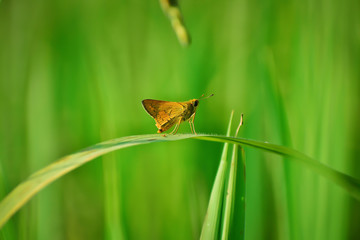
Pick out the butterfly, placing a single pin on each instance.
(166, 114)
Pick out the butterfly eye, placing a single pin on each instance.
(196, 103)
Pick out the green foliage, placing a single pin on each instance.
(73, 73)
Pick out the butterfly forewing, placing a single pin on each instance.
(164, 112)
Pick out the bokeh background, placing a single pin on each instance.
(73, 73)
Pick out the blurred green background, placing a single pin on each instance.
(73, 73)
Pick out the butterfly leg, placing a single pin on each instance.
(176, 127)
(192, 126)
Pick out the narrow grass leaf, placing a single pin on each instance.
(213, 213)
(29, 187)
(229, 194)
(230, 190)
(350, 184)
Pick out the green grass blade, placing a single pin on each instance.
(28, 188)
(242, 195)
(350, 184)
(213, 213)
(230, 191)
(230, 194)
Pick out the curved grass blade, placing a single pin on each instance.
(212, 218)
(28, 188)
(350, 184)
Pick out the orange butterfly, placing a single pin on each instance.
(166, 114)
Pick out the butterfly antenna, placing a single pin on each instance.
(202, 96)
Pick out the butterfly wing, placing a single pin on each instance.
(165, 113)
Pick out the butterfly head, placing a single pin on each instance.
(194, 102)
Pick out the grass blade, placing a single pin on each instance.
(229, 194)
(350, 184)
(212, 217)
(230, 190)
(28, 188)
